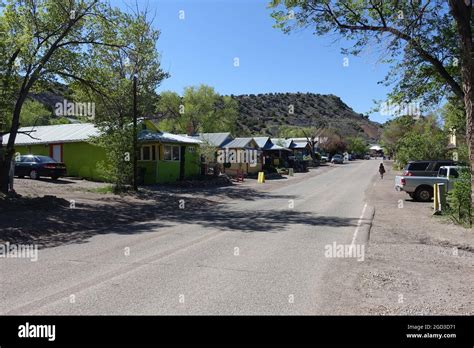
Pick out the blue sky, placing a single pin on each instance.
(201, 48)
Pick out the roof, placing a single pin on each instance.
(299, 144)
(275, 147)
(164, 137)
(239, 143)
(282, 142)
(78, 132)
(214, 139)
(263, 142)
(61, 133)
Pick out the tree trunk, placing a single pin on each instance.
(6, 154)
(5, 161)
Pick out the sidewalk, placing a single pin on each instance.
(415, 263)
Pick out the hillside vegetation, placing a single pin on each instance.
(273, 113)
(268, 113)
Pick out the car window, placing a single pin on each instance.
(443, 172)
(27, 159)
(442, 164)
(454, 173)
(417, 166)
(45, 159)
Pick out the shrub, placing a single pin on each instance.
(459, 199)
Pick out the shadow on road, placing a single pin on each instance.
(50, 221)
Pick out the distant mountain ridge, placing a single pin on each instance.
(265, 113)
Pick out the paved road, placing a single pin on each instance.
(263, 254)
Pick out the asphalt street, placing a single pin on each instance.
(254, 255)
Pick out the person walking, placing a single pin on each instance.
(381, 170)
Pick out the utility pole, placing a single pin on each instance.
(135, 140)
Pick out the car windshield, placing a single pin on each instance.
(45, 159)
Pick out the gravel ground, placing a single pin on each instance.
(415, 264)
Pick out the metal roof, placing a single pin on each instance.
(239, 143)
(61, 133)
(77, 132)
(277, 147)
(263, 142)
(164, 137)
(214, 139)
(283, 142)
(299, 144)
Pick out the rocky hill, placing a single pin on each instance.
(267, 113)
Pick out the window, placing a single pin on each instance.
(443, 172)
(417, 166)
(442, 164)
(27, 159)
(454, 173)
(148, 153)
(172, 153)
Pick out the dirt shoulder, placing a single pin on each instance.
(415, 263)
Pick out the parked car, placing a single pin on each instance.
(337, 159)
(324, 159)
(36, 166)
(366, 157)
(420, 188)
(425, 168)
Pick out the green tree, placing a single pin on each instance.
(200, 109)
(427, 43)
(424, 141)
(114, 97)
(34, 113)
(44, 40)
(393, 131)
(357, 145)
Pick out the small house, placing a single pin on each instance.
(241, 156)
(273, 154)
(163, 157)
(166, 157)
(67, 143)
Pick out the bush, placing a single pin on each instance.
(459, 199)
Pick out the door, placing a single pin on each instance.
(56, 152)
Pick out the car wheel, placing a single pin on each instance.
(21, 176)
(34, 174)
(55, 177)
(424, 194)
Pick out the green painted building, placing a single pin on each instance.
(167, 157)
(164, 157)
